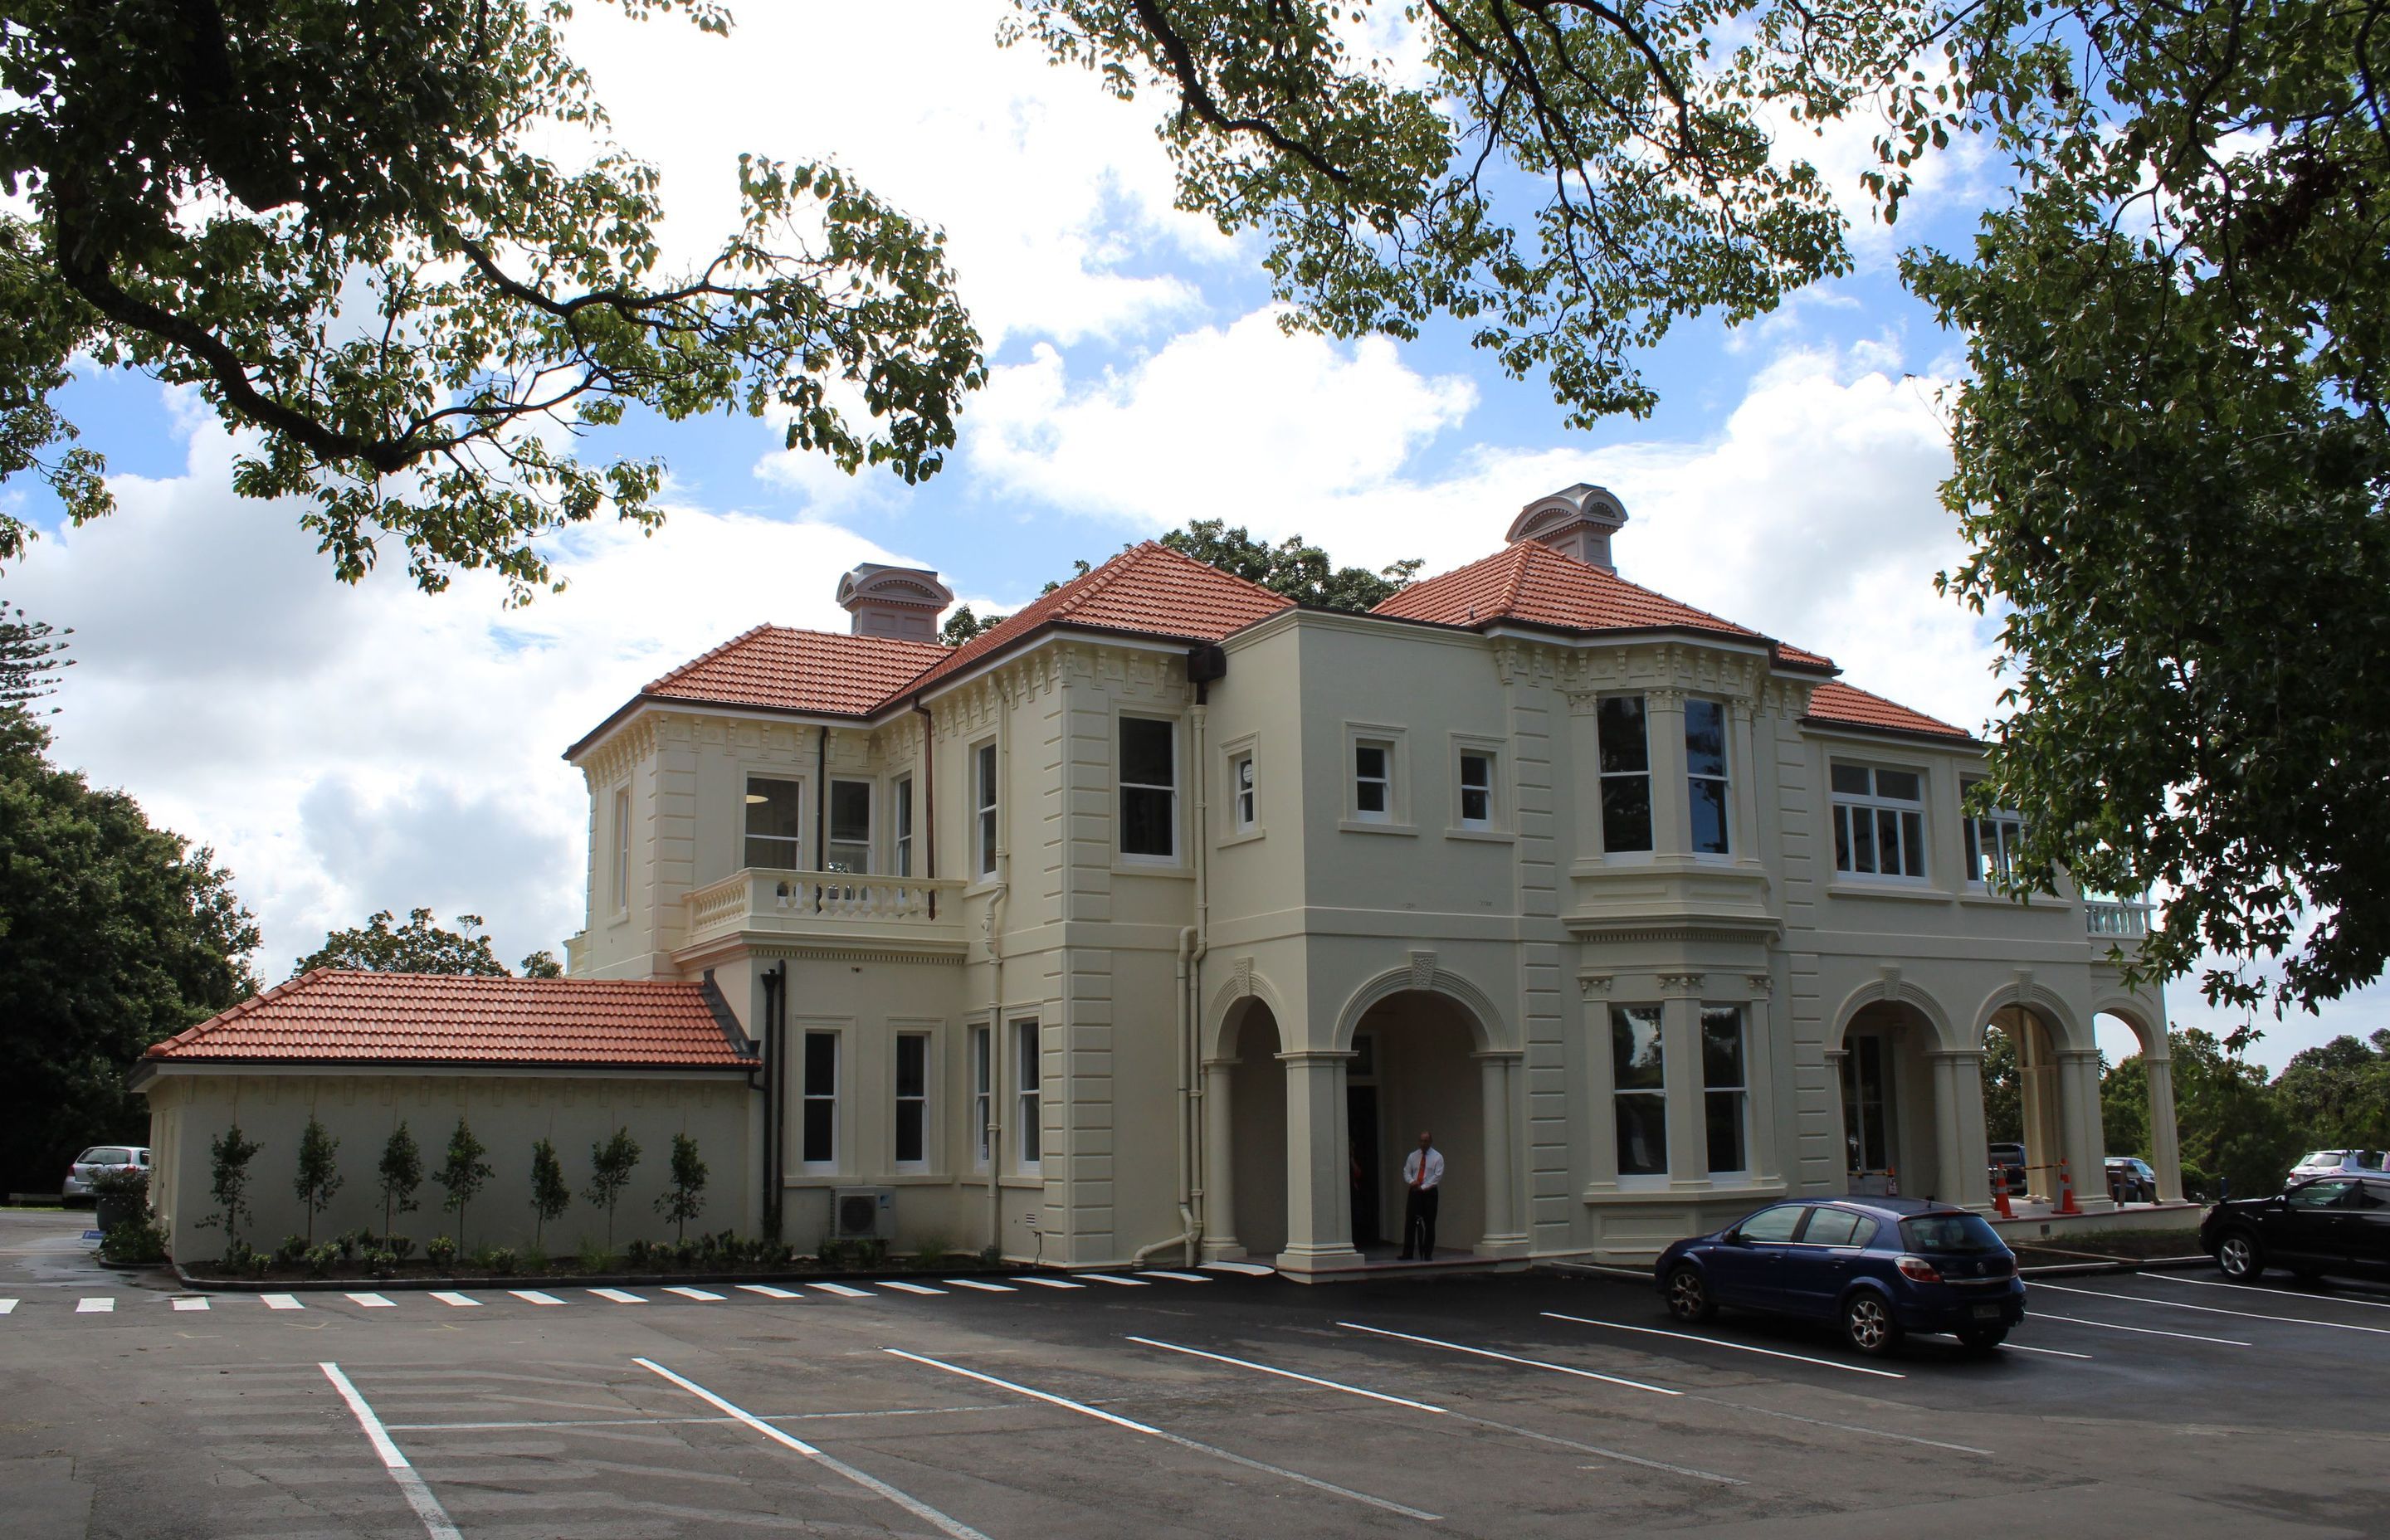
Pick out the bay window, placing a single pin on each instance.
(1725, 1089)
(1639, 1090)
(1705, 778)
(1625, 756)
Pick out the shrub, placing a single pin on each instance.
(228, 1181)
(991, 1254)
(463, 1173)
(398, 1245)
(831, 1253)
(549, 1194)
(868, 1251)
(384, 1263)
(442, 1252)
(686, 1253)
(593, 1257)
(236, 1257)
(685, 1196)
(639, 1254)
(318, 1176)
(501, 1260)
(930, 1251)
(144, 1239)
(351, 1242)
(402, 1173)
(125, 1182)
(610, 1172)
(291, 1252)
(320, 1259)
(534, 1258)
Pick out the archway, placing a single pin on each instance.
(2022, 1099)
(2149, 1129)
(1244, 1201)
(1911, 1105)
(1416, 1068)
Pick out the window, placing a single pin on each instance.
(623, 850)
(1031, 1145)
(818, 1147)
(774, 811)
(1838, 1227)
(849, 845)
(1639, 1079)
(984, 803)
(1962, 1233)
(1724, 1087)
(1241, 789)
(1373, 781)
(1705, 774)
(1993, 838)
(2319, 1194)
(982, 1071)
(1148, 787)
(1775, 1225)
(1476, 790)
(1879, 821)
(912, 1100)
(1626, 774)
(901, 854)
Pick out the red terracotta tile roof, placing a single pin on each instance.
(332, 1016)
(800, 671)
(1525, 581)
(1847, 706)
(1148, 590)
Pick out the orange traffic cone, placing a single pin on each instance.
(2000, 1192)
(2066, 1203)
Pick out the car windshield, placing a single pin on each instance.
(1949, 1232)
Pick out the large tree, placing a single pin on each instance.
(113, 935)
(338, 220)
(421, 945)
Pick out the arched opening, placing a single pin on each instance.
(1412, 1072)
(1255, 1155)
(2136, 1104)
(2022, 1101)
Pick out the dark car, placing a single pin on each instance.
(2132, 1179)
(2011, 1158)
(2323, 1225)
(1881, 1267)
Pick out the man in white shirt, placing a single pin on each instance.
(1423, 1189)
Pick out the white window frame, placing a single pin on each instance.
(900, 827)
(621, 850)
(1384, 782)
(1651, 810)
(1658, 1093)
(1495, 818)
(809, 1095)
(796, 843)
(979, 1046)
(1244, 792)
(1843, 808)
(1723, 780)
(831, 844)
(1124, 785)
(2005, 827)
(1028, 1098)
(926, 1098)
(987, 766)
(1741, 1091)
(1395, 818)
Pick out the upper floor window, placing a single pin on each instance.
(901, 851)
(1477, 789)
(621, 849)
(1626, 774)
(1148, 787)
(775, 811)
(1373, 780)
(1705, 774)
(1879, 821)
(983, 806)
(849, 845)
(1241, 791)
(1993, 841)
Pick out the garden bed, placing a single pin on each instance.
(2112, 1245)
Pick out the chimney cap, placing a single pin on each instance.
(1576, 521)
(893, 601)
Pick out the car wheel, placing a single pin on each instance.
(1983, 1339)
(1868, 1323)
(2239, 1256)
(1688, 1296)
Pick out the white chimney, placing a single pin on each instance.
(1576, 521)
(903, 602)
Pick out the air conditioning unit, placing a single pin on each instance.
(858, 1214)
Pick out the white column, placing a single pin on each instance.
(1601, 1094)
(1767, 1160)
(1219, 1163)
(1840, 1131)
(2166, 1144)
(1664, 722)
(1965, 1176)
(1742, 768)
(1680, 1041)
(2078, 1085)
(1502, 1230)
(1318, 1164)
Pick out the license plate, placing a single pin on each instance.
(1987, 1312)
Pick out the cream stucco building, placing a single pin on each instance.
(1159, 919)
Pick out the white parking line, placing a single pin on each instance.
(909, 1503)
(2265, 1289)
(418, 1496)
(1182, 1277)
(771, 1292)
(1739, 1347)
(280, 1302)
(1251, 1269)
(194, 1302)
(2136, 1331)
(372, 1301)
(1440, 1411)
(8, 1307)
(2212, 1310)
(534, 1296)
(1510, 1358)
(1387, 1505)
(1054, 1283)
(903, 1288)
(702, 1294)
(620, 1296)
(96, 1305)
(983, 1287)
(2047, 1351)
(459, 1302)
(842, 1290)
(1124, 1283)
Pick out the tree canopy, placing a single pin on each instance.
(381, 945)
(331, 217)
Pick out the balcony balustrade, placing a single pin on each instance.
(2116, 918)
(840, 904)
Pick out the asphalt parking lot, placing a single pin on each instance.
(1165, 1404)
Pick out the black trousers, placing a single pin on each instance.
(1418, 1222)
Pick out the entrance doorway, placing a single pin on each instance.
(1869, 1107)
(1417, 1046)
(1361, 1126)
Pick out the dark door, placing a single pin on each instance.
(1361, 1122)
(1748, 1268)
(2311, 1221)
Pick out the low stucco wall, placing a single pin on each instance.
(189, 1107)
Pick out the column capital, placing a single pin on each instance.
(1316, 1056)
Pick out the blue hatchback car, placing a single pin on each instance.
(1881, 1267)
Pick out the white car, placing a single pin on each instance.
(2329, 1162)
(99, 1158)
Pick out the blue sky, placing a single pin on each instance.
(351, 749)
